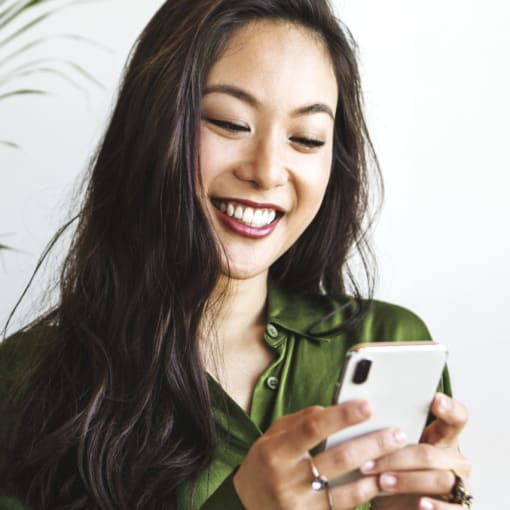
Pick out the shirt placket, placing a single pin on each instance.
(269, 382)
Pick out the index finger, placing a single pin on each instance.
(309, 427)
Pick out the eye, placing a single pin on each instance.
(227, 125)
(309, 143)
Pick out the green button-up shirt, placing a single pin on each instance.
(308, 358)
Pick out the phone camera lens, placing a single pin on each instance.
(361, 371)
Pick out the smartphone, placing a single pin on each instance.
(399, 379)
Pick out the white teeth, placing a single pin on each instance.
(249, 216)
(239, 213)
(257, 218)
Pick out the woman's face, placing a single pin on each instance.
(266, 140)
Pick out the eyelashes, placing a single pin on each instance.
(229, 126)
(232, 127)
(311, 143)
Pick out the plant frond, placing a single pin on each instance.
(43, 70)
(69, 63)
(23, 92)
(12, 145)
(42, 40)
(17, 9)
(11, 13)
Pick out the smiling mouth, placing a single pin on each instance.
(249, 215)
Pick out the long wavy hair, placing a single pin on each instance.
(116, 412)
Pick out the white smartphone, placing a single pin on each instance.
(399, 379)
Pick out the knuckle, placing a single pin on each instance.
(313, 410)
(277, 494)
(312, 426)
(267, 456)
(349, 413)
(360, 493)
(383, 441)
(425, 454)
(344, 456)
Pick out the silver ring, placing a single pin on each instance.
(319, 481)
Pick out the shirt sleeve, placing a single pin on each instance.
(224, 498)
(7, 503)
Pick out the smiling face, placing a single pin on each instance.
(266, 140)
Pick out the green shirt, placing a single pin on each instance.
(307, 362)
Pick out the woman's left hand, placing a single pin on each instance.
(422, 476)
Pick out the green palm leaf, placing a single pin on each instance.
(9, 144)
(37, 42)
(27, 17)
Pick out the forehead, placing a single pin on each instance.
(271, 58)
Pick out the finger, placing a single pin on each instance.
(352, 454)
(290, 421)
(312, 425)
(416, 457)
(437, 481)
(451, 417)
(434, 504)
(353, 494)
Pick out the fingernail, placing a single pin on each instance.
(399, 437)
(426, 504)
(445, 403)
(368, 467)
(387, 481)
(364, 408)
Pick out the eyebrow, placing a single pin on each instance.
(246, 97)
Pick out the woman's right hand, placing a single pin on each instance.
(276, 473)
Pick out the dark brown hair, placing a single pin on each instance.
(117, 414)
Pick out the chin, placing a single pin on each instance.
(240, 271)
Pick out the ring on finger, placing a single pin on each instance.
(459, 493)
(320, 482)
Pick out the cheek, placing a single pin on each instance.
(217, 155)
(207, 163)
(315, 182)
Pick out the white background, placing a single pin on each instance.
(436, 84)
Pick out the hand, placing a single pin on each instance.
(276, 473)
(427, 468)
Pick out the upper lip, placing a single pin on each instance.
(251, 203)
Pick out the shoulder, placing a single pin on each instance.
(18, 353)
(389, 322)
(18, 357)
(320, 316)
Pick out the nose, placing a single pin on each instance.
(265, 168)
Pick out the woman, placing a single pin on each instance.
(204, 316)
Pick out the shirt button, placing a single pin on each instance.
(272, 331)
(272, 383)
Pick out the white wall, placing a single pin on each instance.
(436, 80)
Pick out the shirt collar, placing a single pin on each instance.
(312, 317)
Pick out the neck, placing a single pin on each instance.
(238, 306)
(235, 320)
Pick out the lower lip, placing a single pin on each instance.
(246, 230)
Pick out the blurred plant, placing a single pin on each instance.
(17, 19)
